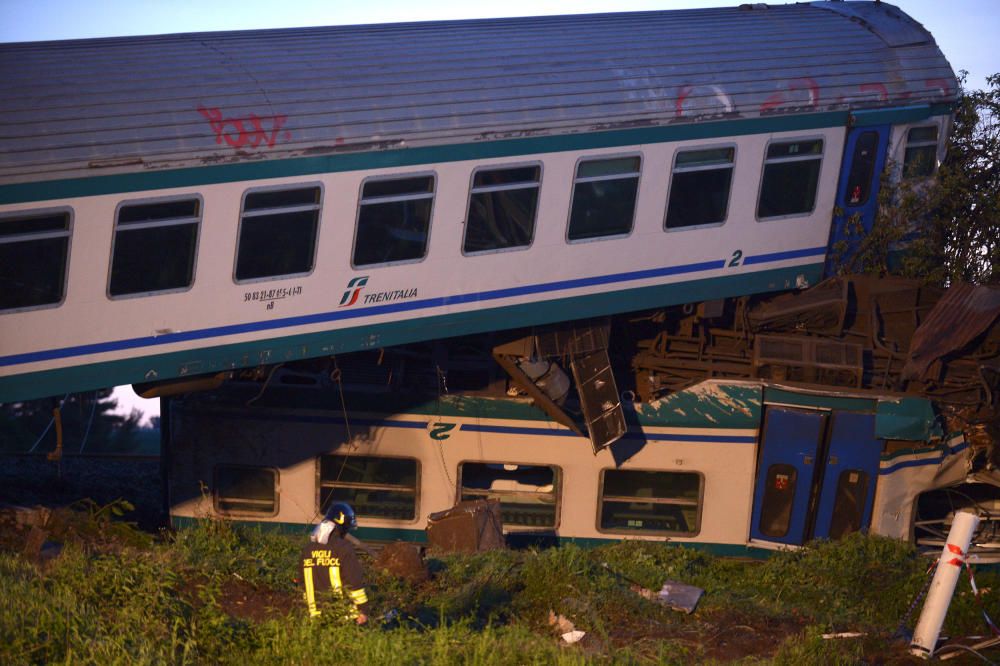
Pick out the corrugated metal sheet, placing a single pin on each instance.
(963, 314)
(86, 106)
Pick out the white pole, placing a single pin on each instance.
(942, 588)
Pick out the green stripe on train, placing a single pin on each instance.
(221, 358)
(381, 159)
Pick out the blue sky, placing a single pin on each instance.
(966, 30)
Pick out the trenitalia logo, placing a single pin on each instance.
(353, 290)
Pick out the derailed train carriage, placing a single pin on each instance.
(226, 212)
(183, 205)
(814, 421)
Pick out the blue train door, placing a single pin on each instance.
(816, 476)
(857, 192)
(849, 476)
(786, 473)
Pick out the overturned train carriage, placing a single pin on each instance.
(182, 205)
(781, 450)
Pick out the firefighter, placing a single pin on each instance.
(330, 565)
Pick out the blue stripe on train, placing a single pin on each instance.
(341, 315)
(631, 434)
(920, 462)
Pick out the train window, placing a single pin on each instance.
(155, 246)
(34, 253)
(604, 195)
(376, 487)
(393, 220)
(528, 494)
(502, 208)
(647, 501)
(859, 180)
(699, 187)
(779, 496)
(791, 177)
(920, 156)
(278, 231)
(849, 502)
(240, 489)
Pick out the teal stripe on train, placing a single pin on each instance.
(388, 534)
(220, 358)
(380, 159)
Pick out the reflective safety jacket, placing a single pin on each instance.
(333, 567)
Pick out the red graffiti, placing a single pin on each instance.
(780, 98)
(879, 88)
(682, 94)
(938, 84)
(246, 132)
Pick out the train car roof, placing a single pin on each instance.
(99, 106)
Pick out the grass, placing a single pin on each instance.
(221, 593)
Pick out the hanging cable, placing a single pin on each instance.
(90, 422)
(267, 381)
(442, 382)
(336, 376)
(45, 432)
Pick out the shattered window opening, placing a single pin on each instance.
(649, 501)
(242, 489)
(528, 494)
(604, 195)
(375, 486)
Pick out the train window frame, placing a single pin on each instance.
(916, 145)
(367, 517)
(472, 191)
(763, 172)
(196, 220)
(694, 169)
(557, 482)
(66, 233)
(699, 515)
(389, 199)
(318, 207)
(275, 472)
(588, 179)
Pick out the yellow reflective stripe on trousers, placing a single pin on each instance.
(310, 592)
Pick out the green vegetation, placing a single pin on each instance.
(946, 229)
(222, 593)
